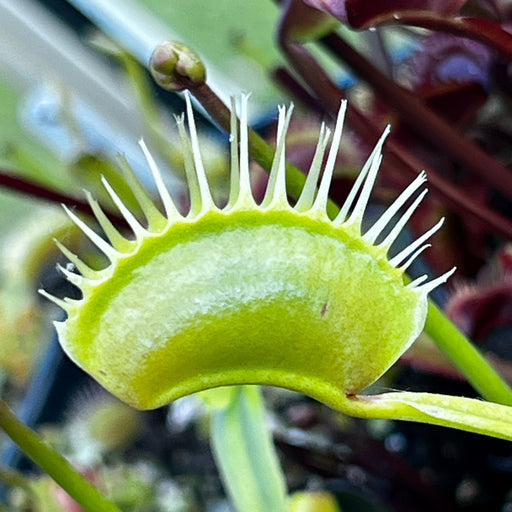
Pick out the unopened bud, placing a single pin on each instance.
(175, 67)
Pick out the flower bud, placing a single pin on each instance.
(175, 67)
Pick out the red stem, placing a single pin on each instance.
(485, 31)
(422, 120)
(18, 184)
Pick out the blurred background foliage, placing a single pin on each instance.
(74, 93)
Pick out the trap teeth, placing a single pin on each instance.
(251, 293)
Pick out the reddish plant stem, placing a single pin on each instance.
(213, 105)
(18, 184)
(330, 95)
(484, 31)
(422, 120)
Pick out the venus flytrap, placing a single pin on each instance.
(259, 294)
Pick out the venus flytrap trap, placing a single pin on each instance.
(237, 273)
(264, 293)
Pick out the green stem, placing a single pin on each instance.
(242, 446)
(54, 464)
(480, 374)
(462, 413)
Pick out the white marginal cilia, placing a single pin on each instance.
(249, 293)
